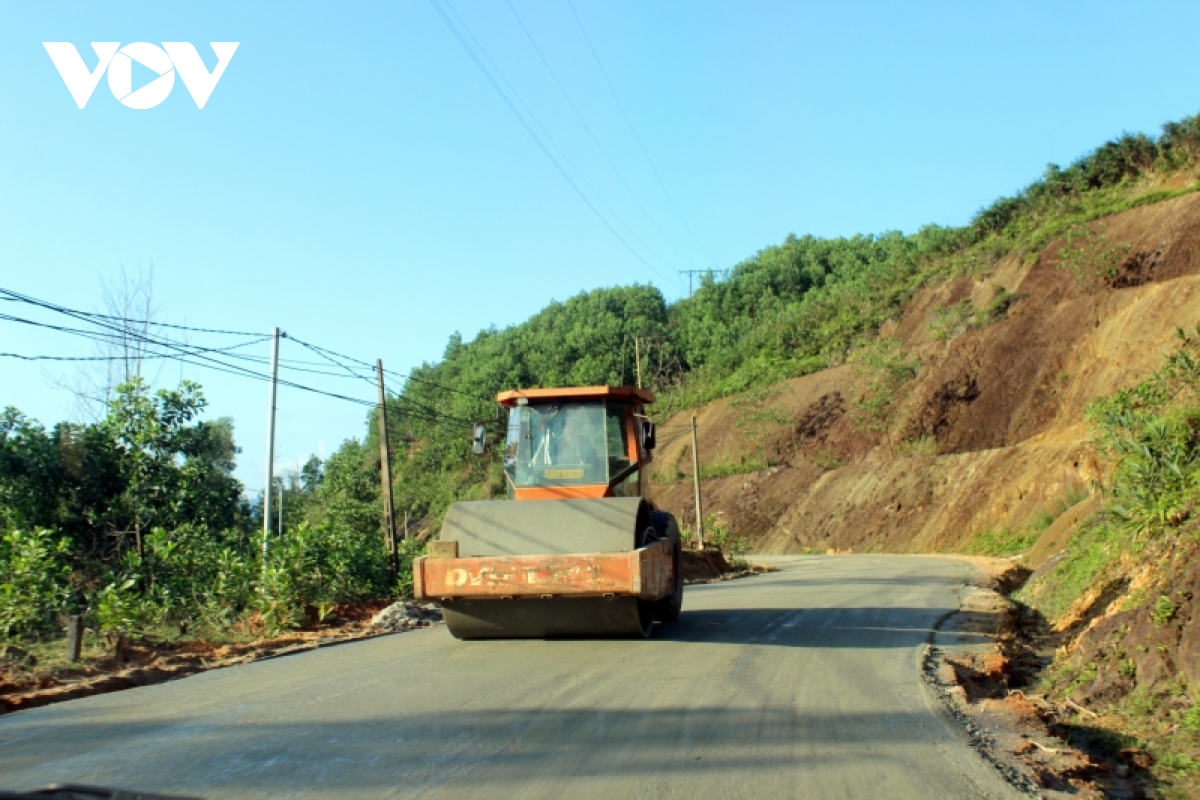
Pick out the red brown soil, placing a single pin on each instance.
(708, 565)
(1035, 737)
(1003, 405)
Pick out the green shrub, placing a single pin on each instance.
(1001, 542)
(920, 446)
(724, 470)
(326, 564)
(33, 581)
(947, 322)
(1164, 611)
(1091, 550)
(826, 459)
(1042, 520)
(1191, 718)
(119, 606)
(717, 532)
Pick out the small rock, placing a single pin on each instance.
(403, 616)
(13, 653)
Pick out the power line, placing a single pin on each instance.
(595, 140)
(185, 354)
(422, 408)
(587, 128)
(547, 134)
(398, 375)
(111, 339)
(321, 352)
(536, 139)
(188, 354)
(328, 355)
(20, 298)
(637, 138)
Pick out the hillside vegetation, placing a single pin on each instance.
(795, 309)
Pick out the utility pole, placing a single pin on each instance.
(269, 484)
(637, 356)
(385, 475)
(281, 507)
(696, 483)
(691, 272)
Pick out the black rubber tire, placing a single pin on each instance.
(647, 609)
(669, 608)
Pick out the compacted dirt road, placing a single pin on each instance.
(799, 683)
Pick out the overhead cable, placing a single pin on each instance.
(637, 138)
(188, 354)
(537, 140)
(595, 140)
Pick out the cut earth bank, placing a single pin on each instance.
(988, 450)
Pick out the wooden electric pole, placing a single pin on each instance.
(696, 483)
(269, 478)
(709, 272)
(385, 475)
(637, 357)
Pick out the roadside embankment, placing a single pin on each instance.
(128, 664)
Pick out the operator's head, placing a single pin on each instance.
(573, 422)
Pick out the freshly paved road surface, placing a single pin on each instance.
(801, 683)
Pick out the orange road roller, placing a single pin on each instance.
(576, 551)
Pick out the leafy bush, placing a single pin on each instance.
(716, 532)
(1164, 611)
(920, 446)
(887, 368)
(947, 322)
(192, 568)
(119, 606)
(1152, 432)
(33, 581)
(826, 459)
(1002, 542)
(1092, 549)
(724, 470)
(1191, 718)
(320, 565)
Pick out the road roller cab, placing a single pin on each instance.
(576, 550)
(572, 443)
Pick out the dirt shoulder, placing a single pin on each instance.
(127, 663)
(987, 664)
(710, 566)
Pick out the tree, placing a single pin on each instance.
(175, 472)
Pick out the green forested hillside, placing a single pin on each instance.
(788, 310)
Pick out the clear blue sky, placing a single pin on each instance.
(355, 180)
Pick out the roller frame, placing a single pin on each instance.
(646, 573)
